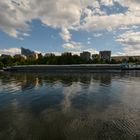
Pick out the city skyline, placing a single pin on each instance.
(70, 26)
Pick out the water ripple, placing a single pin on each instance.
(70, 107)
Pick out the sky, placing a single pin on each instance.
(70, 26)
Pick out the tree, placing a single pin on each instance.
(1, 65)
(18, 60)
(131, 59)
(113, 61)
(7, 60)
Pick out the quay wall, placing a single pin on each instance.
(65, 68)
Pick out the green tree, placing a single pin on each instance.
(1, 65)
(7, 60)
(113, 61)
(131, 59)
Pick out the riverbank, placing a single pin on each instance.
(71, 68)
(65, 68)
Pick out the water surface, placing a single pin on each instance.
(99, 106)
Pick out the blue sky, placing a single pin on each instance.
(69, 25)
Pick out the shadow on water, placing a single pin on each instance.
(98, 106)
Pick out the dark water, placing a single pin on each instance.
(70, 106)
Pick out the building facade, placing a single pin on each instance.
(95, 56)
(85, 56)
(121, 58)
(49, 55)
(26, 52)
(66, 54)
(105, 55)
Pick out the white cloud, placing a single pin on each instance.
(119, 54)
(12, 19)
(133, 27)
(107, 2)
(56, 14)
(38, 52)
(26, 34)
(97, 34)
(89, 38)
(129, 37)
(130, 41)
(100, 19)
(10, 51)
(88, 42)
(70, 14)
(92, 51)
(109, 21)
(68, 46)
(65, 34)
(72, 45)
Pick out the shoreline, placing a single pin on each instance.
(70, 68)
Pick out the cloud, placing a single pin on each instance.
(111, 14)
(107, 2)
(119, 54)
(89, 38)
(12, 19)
(38, 52)
(68, 46)
(97, 34)
(10, 51)
(72, 45)
(65, 34)
(88, 42)
(26, 34)
(92, 51)
(109, 22)
(130, 41)
(16, 15)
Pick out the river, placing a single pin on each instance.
(92, 106)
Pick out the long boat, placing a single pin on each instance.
(65, 68)
(72, 68)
